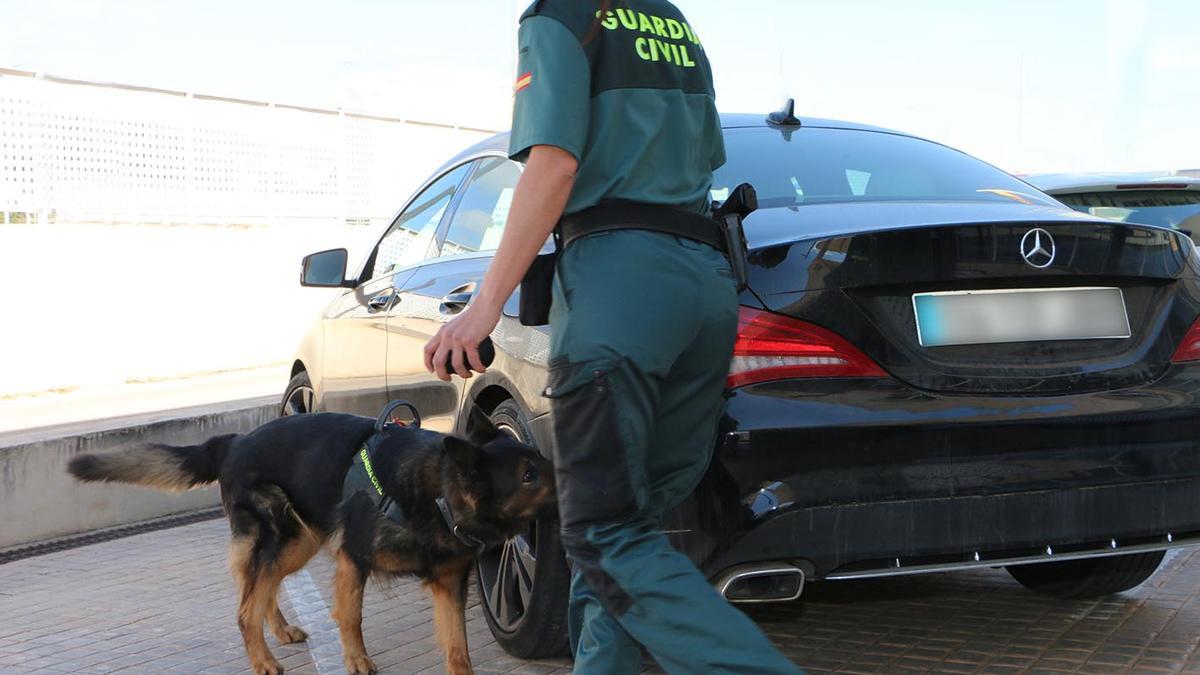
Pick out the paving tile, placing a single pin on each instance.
(164, 602)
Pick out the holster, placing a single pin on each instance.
(735, 245)
(727, 236)
(742, 201)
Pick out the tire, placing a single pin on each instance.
(1088, 577)
(523, 586)
(298, 398)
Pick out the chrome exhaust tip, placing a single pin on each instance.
(761, 582)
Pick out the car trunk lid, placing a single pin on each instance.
(857, 276)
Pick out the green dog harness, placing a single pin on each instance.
(362, 477)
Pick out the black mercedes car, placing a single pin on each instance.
(938, 367)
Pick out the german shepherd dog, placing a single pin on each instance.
(281, 488)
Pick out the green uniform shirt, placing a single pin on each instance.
(629, 94)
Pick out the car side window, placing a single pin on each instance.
(410, 237)
(479, 220)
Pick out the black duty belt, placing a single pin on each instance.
(723, 232)
(608, 216)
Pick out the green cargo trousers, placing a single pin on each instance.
(642, 327)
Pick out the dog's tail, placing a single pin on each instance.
(166, 467)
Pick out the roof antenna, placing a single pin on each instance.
(785, 116)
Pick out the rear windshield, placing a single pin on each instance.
(1179, 209)
(813, 165)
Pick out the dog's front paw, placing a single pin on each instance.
(359, 664)
(267, 666)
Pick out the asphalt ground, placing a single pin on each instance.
(164, 602)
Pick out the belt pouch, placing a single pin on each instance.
(537, 290)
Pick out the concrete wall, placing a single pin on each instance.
(40, 500)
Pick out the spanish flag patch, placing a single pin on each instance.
(522, 82)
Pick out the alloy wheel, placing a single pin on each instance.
(507, 572)
(299, 401)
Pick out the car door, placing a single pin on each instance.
(442, 287)
(354, 376)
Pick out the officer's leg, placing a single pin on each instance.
(691, 398)
(605, 409)
(598, 642)
(682, 620)
(690, 403)
(599, 467)
(606, 275)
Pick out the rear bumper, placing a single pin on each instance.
(855, 540)
(853, 475)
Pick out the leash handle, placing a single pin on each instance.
(386, 415)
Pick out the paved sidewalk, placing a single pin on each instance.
(164, 602)
(28, 412)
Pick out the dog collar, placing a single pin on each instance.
(448, 516)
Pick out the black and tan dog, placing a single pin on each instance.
(281, 486)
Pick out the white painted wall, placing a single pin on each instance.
(84, 152)
(161, 234)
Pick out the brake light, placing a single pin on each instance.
(1153, 186)
(1189, 347)
(775, 347)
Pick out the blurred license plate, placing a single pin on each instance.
(1019, 315)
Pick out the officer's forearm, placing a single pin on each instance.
(538, 202)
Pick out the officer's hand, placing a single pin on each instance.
(461, 337)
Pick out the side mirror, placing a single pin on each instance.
(326, 269)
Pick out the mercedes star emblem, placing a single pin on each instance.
(1037, 248)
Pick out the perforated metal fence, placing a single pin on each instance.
(76, 151)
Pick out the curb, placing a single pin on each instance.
(40, 501)
(107, 534)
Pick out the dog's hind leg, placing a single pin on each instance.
(293, 558)
(449, 589)
(269, 542)
(285, 632)
(257, 586)
(349, 579)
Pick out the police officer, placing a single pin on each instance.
(615, 120)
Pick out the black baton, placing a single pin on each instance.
(487, 354)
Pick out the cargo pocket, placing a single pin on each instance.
(591, 462)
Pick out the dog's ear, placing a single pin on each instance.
(464, 455)
(480, 429)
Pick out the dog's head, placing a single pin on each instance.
(502, 482)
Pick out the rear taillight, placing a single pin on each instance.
(774, 347)
(1189, 347)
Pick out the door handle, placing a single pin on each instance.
(382, 301)
(456, 302)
